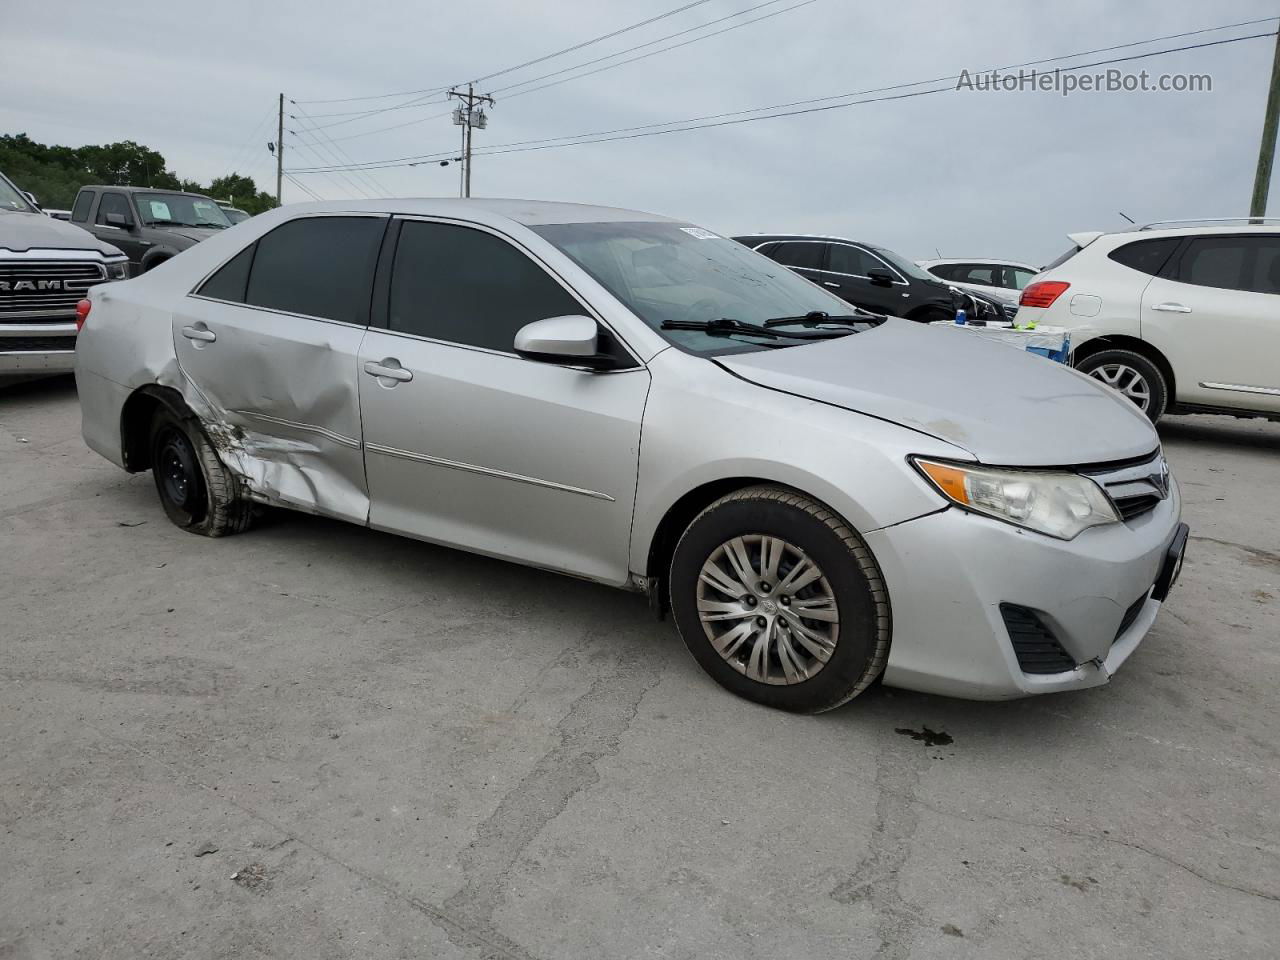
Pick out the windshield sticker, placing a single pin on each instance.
(700, 233)
(159, 210)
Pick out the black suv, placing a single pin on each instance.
(871, 277)
(149, 225)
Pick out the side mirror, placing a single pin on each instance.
(880, 277)
(571, 341)
(119, 220)
(31, 197)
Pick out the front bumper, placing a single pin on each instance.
(949, 573)
(37, 349)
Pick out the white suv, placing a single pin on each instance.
(1181, 316)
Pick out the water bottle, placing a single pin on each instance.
(961, 318)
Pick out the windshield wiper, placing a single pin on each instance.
(727, 326)
(814, 317)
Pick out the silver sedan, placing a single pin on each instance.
(819, 497)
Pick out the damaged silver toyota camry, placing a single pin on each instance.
(820, 497)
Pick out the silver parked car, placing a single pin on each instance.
(821, 497)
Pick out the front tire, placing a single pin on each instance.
(1133, 375)
(198, 493)
(780, 601)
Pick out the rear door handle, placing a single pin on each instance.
(383, 369)
(1171, 308)
(199, 332)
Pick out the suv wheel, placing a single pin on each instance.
(1133, 375)
(780, 601)
(197, 491)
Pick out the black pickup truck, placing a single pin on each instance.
(150, 226)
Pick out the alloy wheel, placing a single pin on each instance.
(767, 608)
(1127, 380)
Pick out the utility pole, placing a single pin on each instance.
(280, 153)
(1267, 152)
(469, 114)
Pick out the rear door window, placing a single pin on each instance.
(1249, 263)
(1017, 278)
(231, 279)
(317, 266)
(802, 255)
(80, 212)
(1147, 256)
(982, 274)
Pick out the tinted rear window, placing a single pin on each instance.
(807, 256)
(231, 279)
(1233, 263)
(1145, 255)
(318, 266)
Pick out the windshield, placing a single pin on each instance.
(669, 273)
(11, 198)
(235, 215)
(179, 209)
(903, 265)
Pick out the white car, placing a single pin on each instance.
(1181, 316)
(1001, 280)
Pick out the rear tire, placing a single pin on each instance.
(1133, 375)
(780, 601)
(198, 493)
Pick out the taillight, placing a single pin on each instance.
(82, 313)
(1042, 294)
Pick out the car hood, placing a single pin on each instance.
(35, 231)
(194, 234)
(1003, 405)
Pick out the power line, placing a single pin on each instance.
(519, 66)
(654, 53)
(303, 187)
(337, 152)
(695, 123)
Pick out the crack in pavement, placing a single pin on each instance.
(590, 731)
(876, 880)
(1257, 552)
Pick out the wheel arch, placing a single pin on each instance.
(1142, 347)
(135, 422)
(154, 257)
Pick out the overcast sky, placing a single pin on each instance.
(966, 173)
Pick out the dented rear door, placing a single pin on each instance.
(270, 342)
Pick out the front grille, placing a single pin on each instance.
(1034, 644)
(36, 344)
(1136, 506)
(1131, 615)
(1136, 488)
(36, 285)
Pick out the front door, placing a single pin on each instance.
(467, 444)
(128, 237)
(1217, 319)
(846, 276)
(270, 341)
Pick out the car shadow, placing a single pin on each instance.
(1223, 433)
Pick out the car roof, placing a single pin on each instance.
(1206, 228)
(127, 189)
(767, 237)
(526, 212)
(977, 260)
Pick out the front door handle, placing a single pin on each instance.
(828, 283)
(383, 369)
(199, 332)
(1171, 308)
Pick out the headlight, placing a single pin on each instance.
(118, 271)
(1058, 504)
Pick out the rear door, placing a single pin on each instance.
(469, 445)
(1215, 313)
(270, 340)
